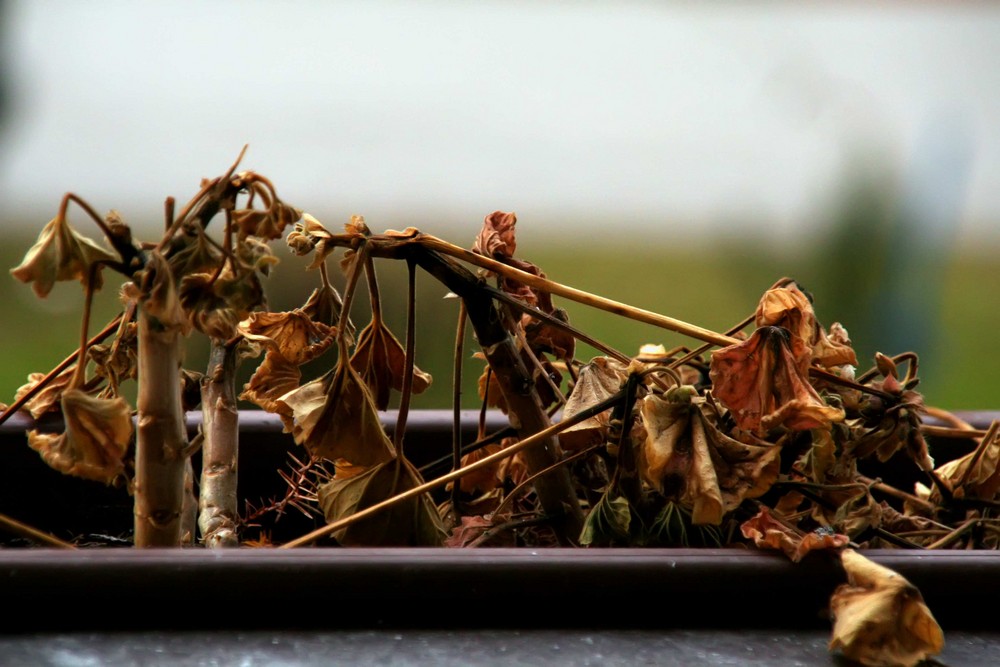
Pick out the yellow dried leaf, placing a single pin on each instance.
(98, 433)
(880, 618)
(334, 417)
(60, 253)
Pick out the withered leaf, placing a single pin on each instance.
(764, 381)
(974, 475)
(335, 417)
(597, 380)
(380, 359)
(98, 433)
(410, 522)
(157, 293)
(769, 533)
(292, 334)
(48, 398)
(690, 461)
(879, 618)
(60, 253)
(788, 307)
(472, 528)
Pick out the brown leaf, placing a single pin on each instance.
(49, 397)
(788, 307)
(60, 253)
(974, 475)
(769, 533)
(335, 417)
(496, 236)
(292, 334)
(880, 618)
(411, 522)
(98, 433)
(764, 381)
(692, 462)
(381, 361)
(600, 378)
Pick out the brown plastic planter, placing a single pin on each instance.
(448, 588)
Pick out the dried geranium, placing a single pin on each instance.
(411, 522)
(764, 381)
(60, 253)
(48, 398)
(599, 379)
(335, 417)
(497, 240)
(891, 421)
(381, 361)
(471, 531)
(689, 460)
(880, 618)
(975, 475)
(769, 533)
(156, 289)
(290, 339)
(97, 435)
(788, 307)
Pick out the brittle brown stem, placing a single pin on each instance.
(24, 530)
(63, 365)
(579, 296)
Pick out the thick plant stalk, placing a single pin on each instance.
(161, 437)
(220, 449)
(555, 488)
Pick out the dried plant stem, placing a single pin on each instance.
(525, 444)
(24, 530)
(556, 492)
(161, 438)
(579, 296)
(217, 500)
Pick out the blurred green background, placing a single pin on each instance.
(946, 312)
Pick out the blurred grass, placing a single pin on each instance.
(711, 284)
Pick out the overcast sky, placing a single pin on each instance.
(695, 116)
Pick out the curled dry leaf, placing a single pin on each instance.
(290, 339)
(600, 378)
(381, 361)
(98, 433)
(788, 307)
(764, 381)
(48, 398)
(690, 461)
(334, 417)
(60, 253)
(156, 289)
(880, 618)
(975, 475)
(769, 533)
(411, 522)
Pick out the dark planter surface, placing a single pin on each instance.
(446, 606)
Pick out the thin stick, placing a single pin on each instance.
(24, 530)
(631, 312)
(63, 365)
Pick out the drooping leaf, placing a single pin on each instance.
(380, 359)
(690, 461)
(60, 253)
(97, 435)
(411, 522)
(600, 378)
(764, 381)
(334, 417)
(879, 618)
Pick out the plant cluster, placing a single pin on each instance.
(768, 435)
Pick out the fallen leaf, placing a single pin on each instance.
(879, 618)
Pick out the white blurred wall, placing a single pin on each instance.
(725, 118)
